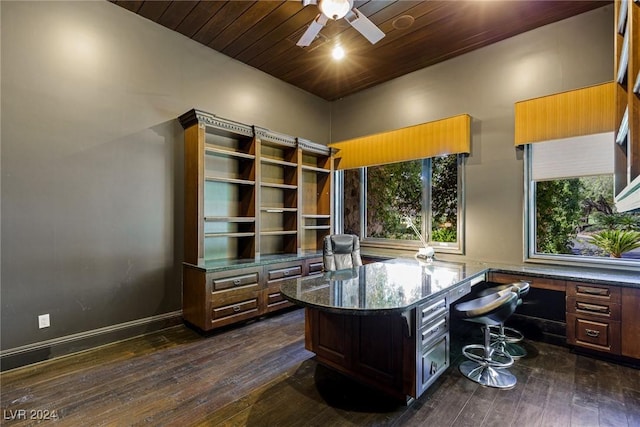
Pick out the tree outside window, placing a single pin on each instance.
(427, 191)
(577, 217)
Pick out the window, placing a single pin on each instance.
(571, 215)
(378, 199)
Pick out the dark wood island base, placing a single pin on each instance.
(375, 350)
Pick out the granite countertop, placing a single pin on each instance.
(602, 276)
(398, 284)
(387, 287)
(231, 264)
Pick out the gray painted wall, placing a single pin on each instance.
(486, 83)
(92, 159)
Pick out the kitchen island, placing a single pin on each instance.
(385, 324)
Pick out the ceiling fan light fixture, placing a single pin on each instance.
(335, 9)
(337, 53)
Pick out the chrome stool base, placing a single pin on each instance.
(487, 376)
(516, 351)
(508, 334)
(505, 339)
(490, 356)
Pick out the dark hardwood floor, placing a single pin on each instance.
(259, 374)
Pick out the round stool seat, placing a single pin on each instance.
(491, 309)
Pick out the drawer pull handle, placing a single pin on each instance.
(433, 330)
(286, 272)
(434, 368)
(236, 308)
(236, 282)
(433, 308)
(592, 333)
(592, 307)
(593, 291)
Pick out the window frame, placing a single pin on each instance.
(530, 227)
(426, 223)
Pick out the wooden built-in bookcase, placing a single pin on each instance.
(627, 98)
(315, 180)
(257, 207)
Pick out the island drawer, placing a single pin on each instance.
(436, 328)
(432, 362)
(458, 292)
(431, 310)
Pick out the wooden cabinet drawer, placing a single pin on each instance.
(587, 307)
(221, 283)
(536, 282)
(594, 334)
(283, 271)
(314, 267)
(588, 291)
(249, 306)
(431, 310)
(275, 300)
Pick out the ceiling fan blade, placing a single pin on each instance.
(364, 26)
(314, 28)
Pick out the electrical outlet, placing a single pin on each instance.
(43, 321)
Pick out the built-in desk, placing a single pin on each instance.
(385, 323)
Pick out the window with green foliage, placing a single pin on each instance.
(378, 199)
(575, 219)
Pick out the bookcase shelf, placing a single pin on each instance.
(246, 190)
(252, 192)
(229, 219)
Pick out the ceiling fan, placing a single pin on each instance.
(337, 9)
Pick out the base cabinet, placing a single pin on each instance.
(214, 299)
(593, 317)
(376, 350)
(600, 318)
(399, 354)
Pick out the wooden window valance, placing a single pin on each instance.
(579, 112)
(432, 139)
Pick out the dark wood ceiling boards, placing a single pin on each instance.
(263, 34)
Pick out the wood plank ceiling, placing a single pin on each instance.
(263, 34)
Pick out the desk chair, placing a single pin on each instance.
(341, 251)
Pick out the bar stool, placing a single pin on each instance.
(487, 365)
(503, 337)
